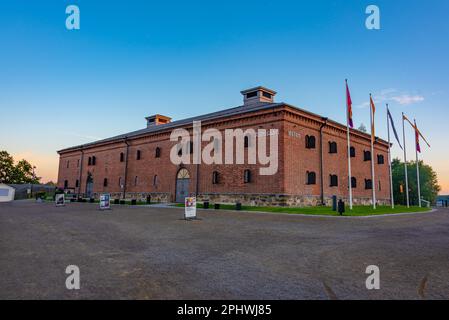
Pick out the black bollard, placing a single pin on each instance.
(334, 203)
(341, 207)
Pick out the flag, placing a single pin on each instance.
(418, 147)
(416, 130)
(349, 106)
(373, 109)
(394, 128)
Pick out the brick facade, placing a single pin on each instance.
(131, 177)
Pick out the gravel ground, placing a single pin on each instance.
(151, 253)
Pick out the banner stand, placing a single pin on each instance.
(59, 200)
(105, 202)
(190, 209)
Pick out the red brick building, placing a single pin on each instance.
(312, 163)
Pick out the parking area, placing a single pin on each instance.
(152, 253)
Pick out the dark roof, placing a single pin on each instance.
(204, 117)
(208, 116)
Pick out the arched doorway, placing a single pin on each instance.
(89, 185)
(182, 184)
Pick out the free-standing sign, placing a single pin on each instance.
(190, 208)
(59, 199)
(105, 201)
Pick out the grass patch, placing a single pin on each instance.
(325, 211)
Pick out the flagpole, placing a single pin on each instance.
(349, 150)
(389, 161)
(405, 162)
(373, 184)
(417, 166)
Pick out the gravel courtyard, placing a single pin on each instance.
(151, 253)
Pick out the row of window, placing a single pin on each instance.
(310, 180)
(333, 180)
(91, 161)
(311, 144)
(106, 182)
(247, 177)
(158, 152)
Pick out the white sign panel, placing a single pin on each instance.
(105, 201)
(190, 208)
(59, 199)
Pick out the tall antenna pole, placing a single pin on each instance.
(405, 162)
(349, 150)
(417, 165)
(373, 184)
(389, 161)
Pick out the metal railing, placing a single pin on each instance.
(426, 202)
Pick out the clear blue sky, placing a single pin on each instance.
(131, 59)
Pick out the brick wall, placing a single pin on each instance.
(287, 187)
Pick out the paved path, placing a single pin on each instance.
(150, 253)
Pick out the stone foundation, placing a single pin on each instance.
(258, 200)
(276, 200)
(156, 197)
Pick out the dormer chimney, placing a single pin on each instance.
(257, 95)
(156, 120)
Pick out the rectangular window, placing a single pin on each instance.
(332, 147)
(334, 180)
(266, 95)
(352, 152)
(380, 159)
(246, 176)
(368, 184)
(251, 95)
(366, 155)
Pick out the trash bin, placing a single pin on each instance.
(206, 204)
(133, 202)
(334, 203)
(341, 207)
(148, 199)
(116, 201)
(216, 206)
(238, 206)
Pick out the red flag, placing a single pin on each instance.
(416, 129)
(418, 147)
(349, 106)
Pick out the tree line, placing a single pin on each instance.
(428, 182)
(22, 172)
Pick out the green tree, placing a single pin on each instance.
(428, 182)
(22, 172)
(6, 167)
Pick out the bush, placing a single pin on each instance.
(41, 195)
